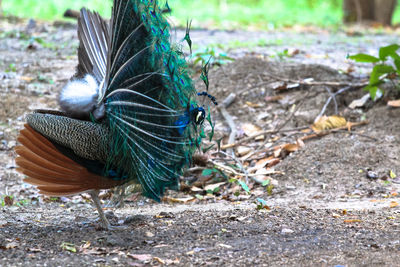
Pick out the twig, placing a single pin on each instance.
(303, 82)
(332, 96)
(323, 133)
(244, 140)
(320, 83)
(319, 134)
(232, 171)
(238, 162)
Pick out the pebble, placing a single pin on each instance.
(287, 231)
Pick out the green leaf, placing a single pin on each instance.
(378, 71)
(397, 64)
(207, 172)
(244, 186)
(205, 150)
(266, 182)
(68, 246)
(211, 134)
(364, 58)
(389, 50)
(374, 92)
(262, 201)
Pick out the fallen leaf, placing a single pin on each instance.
(140, 257)
(352, 221)
(9, 201)
(394, 103)
(149, 234)
(224, 246)
(261, 164)
(159, 260)
(291, 147)
(243, 150)
(278, 86)
(359, 103)
(393, 204)
(212, 187)
(253, 105)
(250, 129)
(274, 98)
(26, 78)
(11, 245)
(178, 200)
(196, 189)
(327, 123)
(171, 262)
(68, 247)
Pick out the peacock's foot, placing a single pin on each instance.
(103, 222)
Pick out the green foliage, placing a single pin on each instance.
(221, 13)
(261, 204)
(11, 68)
(382, 70)
(244, 186)
(210, 55)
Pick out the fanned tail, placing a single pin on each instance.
(148, 97)
(54, 173)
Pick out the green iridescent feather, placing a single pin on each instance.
(149, 98)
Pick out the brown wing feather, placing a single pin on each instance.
(50, 170)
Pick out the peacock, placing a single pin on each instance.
(129, 114)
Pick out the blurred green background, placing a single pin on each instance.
(263, 14)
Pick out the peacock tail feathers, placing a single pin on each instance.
(149, 99)
(129, 114)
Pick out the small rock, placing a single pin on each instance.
(372, 175)
(287, 231)
(149, 234)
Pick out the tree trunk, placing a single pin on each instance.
(384, 10)
(369, 11)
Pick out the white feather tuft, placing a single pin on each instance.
(78, 98)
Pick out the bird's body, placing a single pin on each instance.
(128, 114)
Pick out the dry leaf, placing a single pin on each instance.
(291, 147)
(26, 78)
(393, 204)
(243, 150)
(352, 221)
(224, 246)
(261, 164)
(359, 103)
(250, 129)
(253, 105)
(274, 98)
(196, 189)
(140, 257)
(212, 187)
(178, 200)
(394, 103)
(159, 260)
(8, 200)
(11, 245)
(327, 123)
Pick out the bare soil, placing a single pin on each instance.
(323, 210)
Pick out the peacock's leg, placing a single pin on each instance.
(103, 220)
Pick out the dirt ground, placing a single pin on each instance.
(333, 201)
